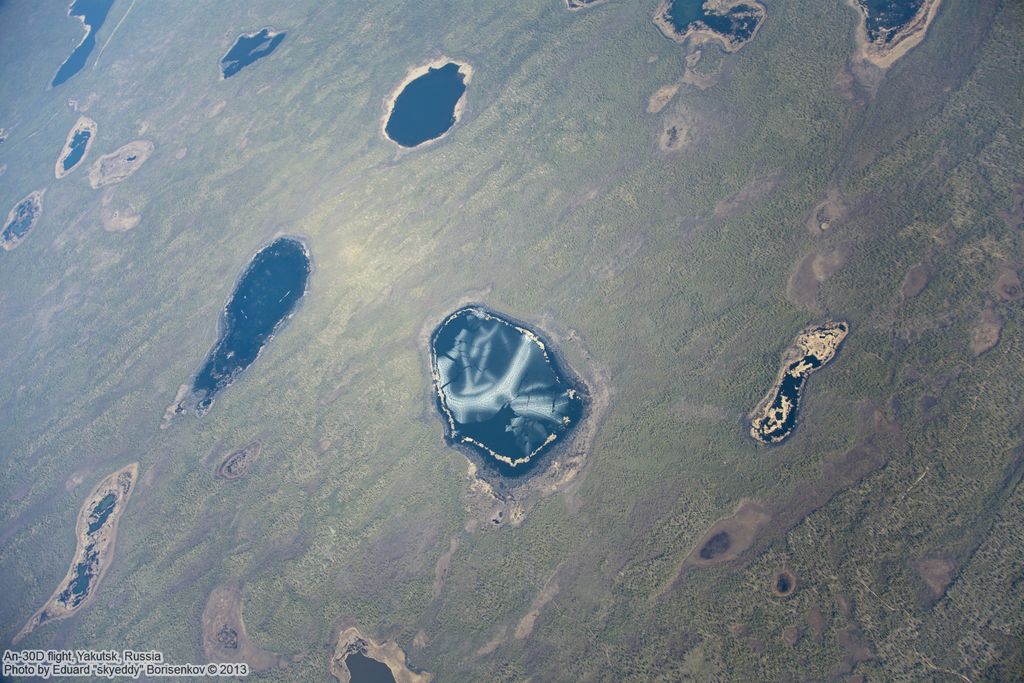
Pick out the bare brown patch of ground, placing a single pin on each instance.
(96, 534)
(883, 53)
(237, 463)
(575, 5)
(117, 219)
(525, 626)
(914, 281)
(748, 195)
(1007, 286)
(661, 97)
(812, 271)
(791, 636)
(224, 635)
(816, 621)
(828, 213)
(215, 109)
(494, 643)
(1014, 216)
(937, 573)
(857, 651)
(444, 563)
(119, 164)
(83, 124)
(698, 34)
(181, 153)
(986, 331)
(349, 640)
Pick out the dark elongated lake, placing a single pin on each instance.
(426, 107)
(77, 149)
(267, 293)
(93, 13)
(737, 23)
(500, 388)
(368, 670)
(248, 48)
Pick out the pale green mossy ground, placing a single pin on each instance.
(552, 195)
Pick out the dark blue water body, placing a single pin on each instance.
(367, 670)
(93, 13)
(247, 49)
(26, 213)
(101, 512)
(77, 149)
(267, 293)
(738, 22)
(85, 572)
(500, 389)
(789, 391)
(886, 17)
(425, 109)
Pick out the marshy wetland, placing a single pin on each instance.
(95, 532)
(120, 164)
(76, 147)
(500, 389)
(21, 219)
(248, 48)
(775, 417)
(427, 103)
(264, 298)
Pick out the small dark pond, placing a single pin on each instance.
(78, 589)
(425, 109)
(248, 48)
(76, 149)
(367, 670)
(886, 17)
(25, 215)
(93, 14)
(500, 389)
(101, 512)
(267, 293)
(715, 546)
(737, 23)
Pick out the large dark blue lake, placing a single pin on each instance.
(93, 13)
(368, 670)
(248, 48)
(21, 219)
(500, 389)
(266, 294)
(426, 107)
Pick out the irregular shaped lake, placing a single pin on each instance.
(76, 146)
(21, 219)
(775, 417)
(731, 22)
(265, 296)
(248, 48)
(883, 19)
(427, 103)
(500, 389)
(92, 14)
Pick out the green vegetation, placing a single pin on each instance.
(552, 202)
